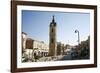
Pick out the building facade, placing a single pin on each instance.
(24, 37)
(60, 48)
(36, 47)
(40, 48)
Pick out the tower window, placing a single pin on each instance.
(52, 40)
(52, 29)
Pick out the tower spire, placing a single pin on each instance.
(53, 23)
(53, 20)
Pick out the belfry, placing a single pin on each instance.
(52, 38)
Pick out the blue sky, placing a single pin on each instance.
(36, 25)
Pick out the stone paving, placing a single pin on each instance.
(54, 58)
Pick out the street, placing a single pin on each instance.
(66, 57)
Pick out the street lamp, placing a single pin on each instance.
(76, 31)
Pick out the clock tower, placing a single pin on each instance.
(52, 38)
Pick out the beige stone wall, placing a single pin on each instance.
(29, 43)
(52, 39)
(24, 37)
(41, 46)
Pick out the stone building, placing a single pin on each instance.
(69, 48)
(24, 37)
(41, 48)
(63, 49)
(52, 38)
(29, 48)
(29, 43)
(60, 48)
(37, 47)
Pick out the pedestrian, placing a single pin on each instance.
(35, 57)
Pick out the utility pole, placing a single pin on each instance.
(76, 31)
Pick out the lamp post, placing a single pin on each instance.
(76, 31)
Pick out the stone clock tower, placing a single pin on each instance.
(52, 38)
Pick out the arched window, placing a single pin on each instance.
(51, 40)
(52, 29)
